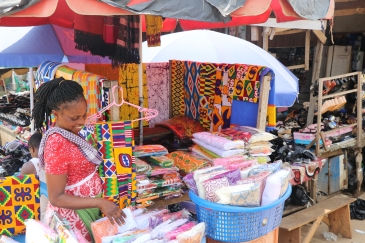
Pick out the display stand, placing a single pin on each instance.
(336, 149)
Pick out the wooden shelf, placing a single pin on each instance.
(338, 94)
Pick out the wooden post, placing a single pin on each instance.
(263, 102)
(315, 76)
(307, 49)
(359, 173)
(265, 41)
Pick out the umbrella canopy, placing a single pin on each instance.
(210, 46)
(30, 46)
(191, 15)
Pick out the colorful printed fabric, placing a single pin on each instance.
(221, 117)
(220, 152)
(149, 150)
(304, 172)
(218, 141)
(187, 162)
(115, 144)
(258, 178)
(177, 87)
(142, 167)
(91, 84)
(158, 85)
(46, 72)
(207, 89)
(19, 201)
(158, 193)
(247, 83)
(105, 70)
(128, 80)
(201, 152)
(65, 72)
(156, 170)
(234, 134)
(162, 161)
(153, 30)
(158, 182)
(103, 228)
(182, 126)
(192, 89)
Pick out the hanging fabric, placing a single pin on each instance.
(177, 87)
(65, 72)
(105, 70)
(46, 72)
(192, 88)
(128, 80)
(207, 86)
(153, 30)
(127, 50)
(158, 86)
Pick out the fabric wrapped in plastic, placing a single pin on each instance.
(37, 232)
(195, 234)
(173, 234)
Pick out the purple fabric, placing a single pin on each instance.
(190, 182)
(233, 176)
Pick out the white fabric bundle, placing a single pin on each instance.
(219, 142)
(276, 185)
(220, 152)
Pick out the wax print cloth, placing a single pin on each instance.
(118, 172)
(219, 152)
(158, 182)
(207, 89)
(153, 30)
(46, 72)
(187, 162)
(19, 201)
(192, 89)
(65, 72)
(128, 80)
(158, 86)
(161, 160)
(156, 170)
(91, 84)
(149, 150)
(182, 126)
(177, 87)
(201, 152)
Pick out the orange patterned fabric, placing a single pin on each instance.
(91, 84)
(102, 229)
(187, 162)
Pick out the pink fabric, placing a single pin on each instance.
(258, 178)
(233, 163)
(211, 186)
(158, 90)
(172, 235)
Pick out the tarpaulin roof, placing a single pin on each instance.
(191, 14)
(30, 46)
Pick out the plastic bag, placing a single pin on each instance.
(37, 232)
(173, 234)
(102, 228)
(299, 196)
(357, 209)
(167, 226)
(194, 235)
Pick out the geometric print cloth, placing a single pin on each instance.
(206, 91)
(191, 88)
(118, 172)
(91, 84)
(177, 87)
(158, 90)
(19, 200)
(128, 80)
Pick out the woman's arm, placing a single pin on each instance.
(56, 193)
(28, 169)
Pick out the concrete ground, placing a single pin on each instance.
(355, 225)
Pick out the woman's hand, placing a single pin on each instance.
(112, 211)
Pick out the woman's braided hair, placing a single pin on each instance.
(51, 96)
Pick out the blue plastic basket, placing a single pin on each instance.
(239, 224)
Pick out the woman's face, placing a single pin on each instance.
(71, 116)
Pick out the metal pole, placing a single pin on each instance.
(31, 82)
(140, 81)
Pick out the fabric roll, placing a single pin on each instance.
(65, 72)
(220, 152)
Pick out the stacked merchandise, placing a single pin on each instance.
(16, 111)
(234, 141)
(13, 156)
(238, 183)
(157, 177)
(140, 226)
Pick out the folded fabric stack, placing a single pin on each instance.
(211, 146)
(237, 182)
(188, 162)
(153, 227)
(256, 141)
(157, 176)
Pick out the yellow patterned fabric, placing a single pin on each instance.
(153, 30)
(177, 87)
(128, 79)
(65, 72)
(19, 201)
